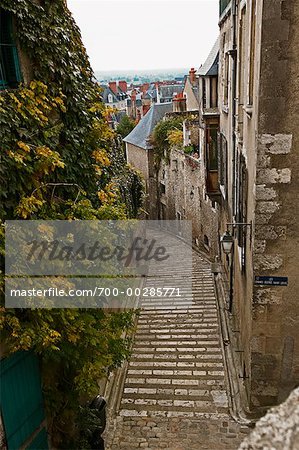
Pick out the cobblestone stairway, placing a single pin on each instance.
(175, 391)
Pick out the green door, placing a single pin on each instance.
(22, 402)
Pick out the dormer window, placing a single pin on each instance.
(10, 74)
(110, 98)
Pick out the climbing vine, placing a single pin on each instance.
(166, 133)
(59, 114)
(60, 160)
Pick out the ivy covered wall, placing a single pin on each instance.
(60, 160)
(55, 129)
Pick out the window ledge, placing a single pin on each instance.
(249, 110)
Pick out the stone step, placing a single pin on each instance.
(156, 341)
(152, 316)
(155, 337)
(210, 312)
(171, 328)
(162, 383)
(197, 309)
(177, 349)
(176, 373)
(176, 357)
(176, 334)
(198, 414)
(196, 324)
(169, 392)
(174, 312)
(173, 405)
(165, 365)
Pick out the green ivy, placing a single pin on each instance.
(160, 137)
(60, 160)
(49, 38)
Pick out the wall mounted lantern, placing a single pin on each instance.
(227, 241)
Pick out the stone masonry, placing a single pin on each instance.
(175, 395)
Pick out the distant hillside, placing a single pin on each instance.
(142, 76)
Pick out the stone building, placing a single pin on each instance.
(139, 152)
(188, 186)
(258, 176)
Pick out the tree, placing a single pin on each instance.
(125, 126)
(163, 135)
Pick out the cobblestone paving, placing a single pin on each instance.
(175, 391)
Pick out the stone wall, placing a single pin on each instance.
(278, 429)
(143, 160)
(181, 195)
(266, 135)
(275, 329)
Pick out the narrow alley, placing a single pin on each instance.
(175, 395)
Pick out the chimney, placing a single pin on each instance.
(179, 103)
(123, 86)
(158, 93)
(192, 76)
(113, 87)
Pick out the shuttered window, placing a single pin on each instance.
(222, 160)
(212, 147)
(10, 74)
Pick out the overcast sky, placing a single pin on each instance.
(146, 34)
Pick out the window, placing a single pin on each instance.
(212, 184)
(241, 210)
(214, 93)
(110, 98)
(226, 79)
(204, 94)
(242, 30)
(211, 145)
(222, 160)
(10, 74)
(162, 188)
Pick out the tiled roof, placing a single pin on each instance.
(167, 91)
(144, 128)
(105, 94)
(210, 67)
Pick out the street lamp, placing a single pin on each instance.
(227, 242)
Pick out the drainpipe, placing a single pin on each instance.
(233, 54)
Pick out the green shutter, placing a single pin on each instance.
(10, 74)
